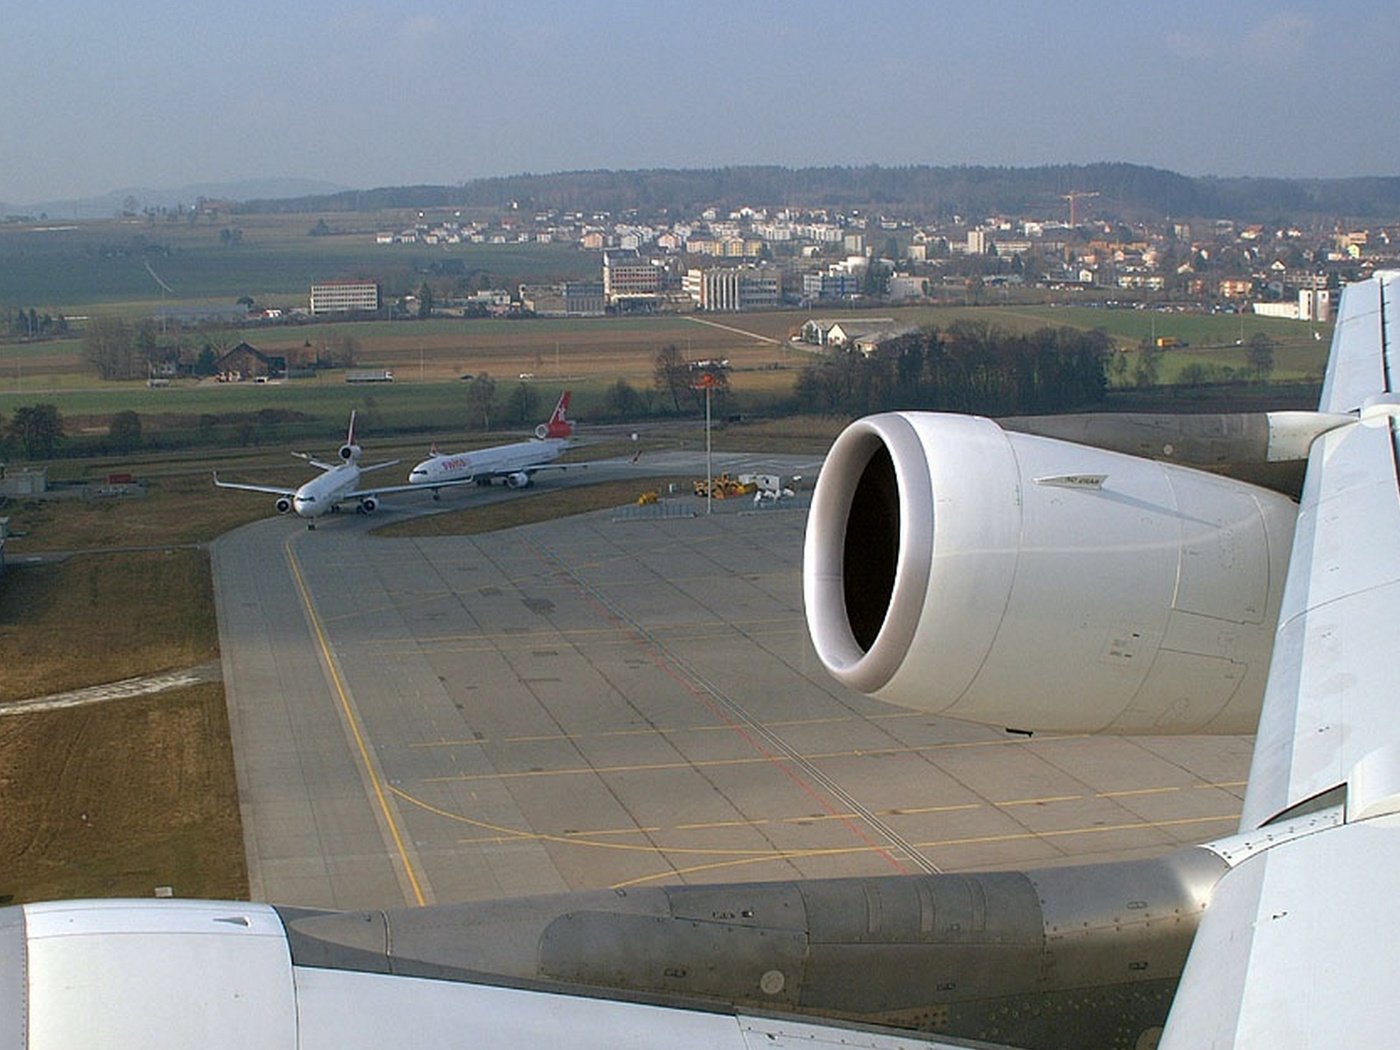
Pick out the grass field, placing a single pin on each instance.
(74, 267)
(51, 640)
(587, 355)
(116, 798)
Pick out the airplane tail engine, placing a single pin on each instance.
(1035, 584)
(349, 453)
(542, 431)
(369, 505)
(283, 504)
(518, 480)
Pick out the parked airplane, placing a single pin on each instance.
(514, 464)
(1057, 586)
(335, 486)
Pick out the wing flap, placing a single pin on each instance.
(1287, 955)
(1357, 367)
(1330, 696)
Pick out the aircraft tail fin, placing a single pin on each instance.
(350, 452)
(558, 425)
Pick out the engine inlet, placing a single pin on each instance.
(870, 553)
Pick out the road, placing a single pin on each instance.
(609, 703)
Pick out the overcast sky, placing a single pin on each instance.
(96, 96)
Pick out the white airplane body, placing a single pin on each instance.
(514, 463)
(1056, 587)
(336, 485)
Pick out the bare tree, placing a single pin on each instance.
(481, 399)
(523, 403)
(1259, 355)
(671, 374)
(109, 345)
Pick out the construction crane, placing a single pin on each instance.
(1073, 198)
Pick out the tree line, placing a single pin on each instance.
(31, 324)
(970, 367)
(918, 191)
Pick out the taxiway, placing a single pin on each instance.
(598, 702)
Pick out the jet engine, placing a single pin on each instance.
(349, 453)
(518, 480)
(283, 504)
(368, 505)
(1035, 584)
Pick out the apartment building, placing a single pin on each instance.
(732, 289)
(629, 277)
(336, 297)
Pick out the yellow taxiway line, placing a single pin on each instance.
(353, 723)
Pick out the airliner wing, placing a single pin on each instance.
(384, 490)
(529, 469)
(272, 489)
(1297, 946)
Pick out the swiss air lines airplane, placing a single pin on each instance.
(950, 566)
(514, 464)
(338, 484)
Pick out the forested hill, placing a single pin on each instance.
(1126, 191)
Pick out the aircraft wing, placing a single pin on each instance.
(226, 976)
(272, 489)
(529, 469)
(384, 490)
(1296, 947)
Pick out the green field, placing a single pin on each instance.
(71, 267)
(103, 267)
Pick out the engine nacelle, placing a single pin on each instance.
(518, 480)
(283, 504)
(1035, 584)
(349, 453)
(369, 505)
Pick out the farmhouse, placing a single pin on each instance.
(248, 362)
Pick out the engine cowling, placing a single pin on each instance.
(283, 504)
(518, 480)
(1035, 584)
(369, 505)
(349, 452)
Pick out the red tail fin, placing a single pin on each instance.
(559, 425)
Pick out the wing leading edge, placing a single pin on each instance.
(1296, 948)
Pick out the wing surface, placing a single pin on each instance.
(272, 489)
(528, 467)
(1331, 700)
(384, 490)
(1296, 948)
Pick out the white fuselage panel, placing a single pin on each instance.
(488, 462)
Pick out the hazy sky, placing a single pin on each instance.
(96, 96)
